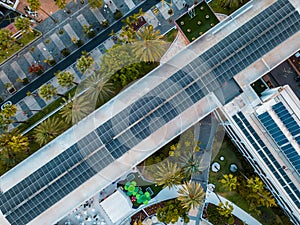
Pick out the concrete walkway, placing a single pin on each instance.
(211, 197)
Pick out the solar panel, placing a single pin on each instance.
(271, 158)
(286, 118)
(273, 129)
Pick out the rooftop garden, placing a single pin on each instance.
(238, 187)
(197, 21)
(226, 7)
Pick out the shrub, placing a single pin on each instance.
(47, 41)
(32, 49)
(105, 23)
(37, 69)
(118, 14)
(1, 100)
(52, 62)
(91, 34)
(65, 52)
(61, 31)
(25, 81)
(79, 43)
(170, 11)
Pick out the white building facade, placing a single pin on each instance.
(267, 133)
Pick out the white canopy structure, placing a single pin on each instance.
(117, 206)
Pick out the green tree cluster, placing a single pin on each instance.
(231, 3)
(11, 142)
(6, 40)
(23, 24)
(75, 109)
(181, 164)
(48, 130)
(95, 3)
(252, 189)
(172, 211)
(84, 62)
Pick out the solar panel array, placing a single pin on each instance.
(281, 140)
(286, 118)
(292, 155)
(111, 140)
(273, 129)
(268, 157)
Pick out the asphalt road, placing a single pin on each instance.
(63, 64)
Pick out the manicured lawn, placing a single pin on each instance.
(203, 20)
(228, 150)
(22, 42)
(217, 8)
(171, 35)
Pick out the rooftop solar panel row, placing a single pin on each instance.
(271, 161)
(273, 129)
(286, 118)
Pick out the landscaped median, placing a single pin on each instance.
(24, 40)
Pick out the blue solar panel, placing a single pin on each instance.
(286, 118)
(287, 148)
(272, 128)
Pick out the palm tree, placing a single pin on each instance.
(6, 40)
(255, 184)
(7, 113)
(84, 62)
(23, 24)
(229, 181)
(48, 91)
(167, 174)
(99, 87)
(191, 195)
(4, 122)
(127, 35)
(48, 130)
(231, 3)
(266, 199)
(61, 3)
(35, 5)
(225, 209)
(191, 165)
(65, 78)
(75, 110)
(95, 3)
(151, 47)
(10, 145)
(9, 110)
